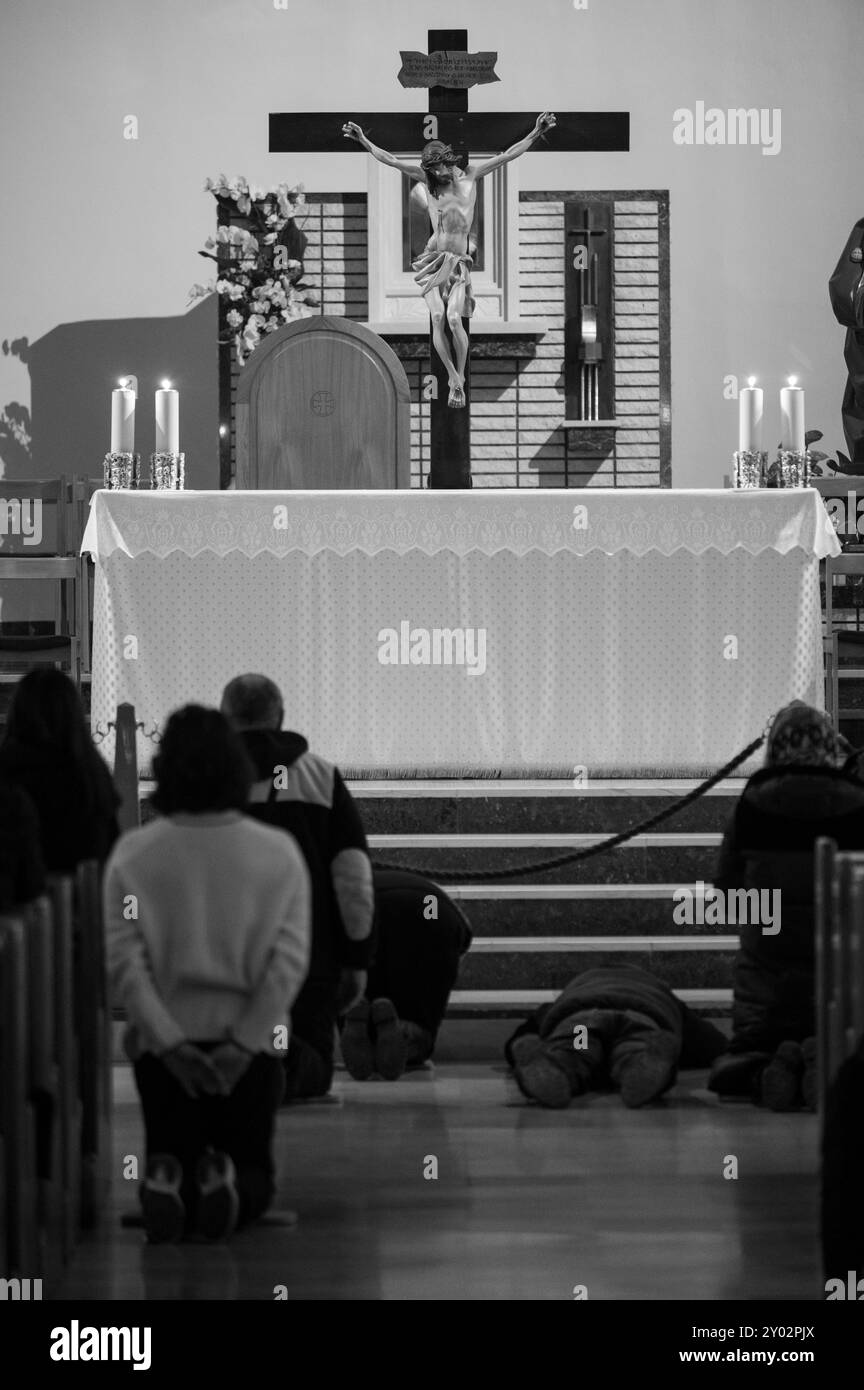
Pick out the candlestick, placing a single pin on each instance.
(792, 418)
(750, 402)
(122, 421)
(167, 471)
(167, 420)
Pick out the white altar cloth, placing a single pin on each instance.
(622, 632)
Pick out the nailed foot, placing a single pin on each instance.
(456, 398)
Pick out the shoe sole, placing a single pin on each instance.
(389, 1047)
(218, 1210)
(556, 1096)
(356, 1047)
(781, 1088)
(164, 1215)
(645, 1080)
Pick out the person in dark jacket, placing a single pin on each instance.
(615, 1026)
(801, 794)
(48, 752)
(22, 872)
(421, 936)
(305, 795)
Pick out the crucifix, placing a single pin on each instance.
(448, 132)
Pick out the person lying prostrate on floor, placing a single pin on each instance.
(801, 794)
(421, 936)
(207, 918)
(48, 752)
(22, 872)
(302, 793)
(615, 1026)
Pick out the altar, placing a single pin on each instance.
(562, 633)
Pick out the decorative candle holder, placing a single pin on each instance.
(122, 470)
(749, 468)
(168, 472)
(792, 468)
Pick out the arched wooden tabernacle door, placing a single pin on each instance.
(323, 403)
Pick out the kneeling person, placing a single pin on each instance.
(421, 936)
(207, 941)
(299, 791)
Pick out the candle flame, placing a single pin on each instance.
(166, 385)
(751, 381)
(793, 380)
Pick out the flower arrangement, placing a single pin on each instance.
(259, 259)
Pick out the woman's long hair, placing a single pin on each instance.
(46, 713)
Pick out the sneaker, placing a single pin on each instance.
(356, 1042)
(648, 1072)
(218, 1203)
(781, 1079)
(161, 1203)
(389, 1040)
(543, 1080)
(810, 1078)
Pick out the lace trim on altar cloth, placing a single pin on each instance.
(580, 521)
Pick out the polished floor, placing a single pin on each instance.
(527, 1203)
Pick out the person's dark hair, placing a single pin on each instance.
(201, 764)
(253, 702)
(46, 713)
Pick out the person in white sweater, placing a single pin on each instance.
(207, 918)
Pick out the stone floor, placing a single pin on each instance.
(527, 1203)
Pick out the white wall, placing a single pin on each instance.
(98, 227)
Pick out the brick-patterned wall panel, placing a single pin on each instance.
(541, 401)
(637, 342)
(518, 401)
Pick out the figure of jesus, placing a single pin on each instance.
(444, 268)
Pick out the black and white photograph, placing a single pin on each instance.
(431, 672)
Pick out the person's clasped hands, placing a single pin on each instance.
(214, 1073)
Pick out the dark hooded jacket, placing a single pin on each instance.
(769, 845)
(302, 793)
(628, 987)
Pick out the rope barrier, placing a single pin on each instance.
(488, 875)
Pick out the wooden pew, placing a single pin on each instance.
(44, 1087)
(21, 1254)
(839, 903)
(66, 1055)
(94, 1042)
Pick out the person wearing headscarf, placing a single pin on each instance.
(803, 792)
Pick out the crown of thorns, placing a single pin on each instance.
(436, 152)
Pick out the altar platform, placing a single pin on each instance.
(562, 633)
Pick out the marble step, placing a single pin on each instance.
(551, 969)
(666, 858)
(584, 909)
(481, 806)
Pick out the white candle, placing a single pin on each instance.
(750, 417)
(792, 417)
(167, 420)
(122, 420)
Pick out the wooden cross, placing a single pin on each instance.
(320, 131)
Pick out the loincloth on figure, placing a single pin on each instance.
(444, 270)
